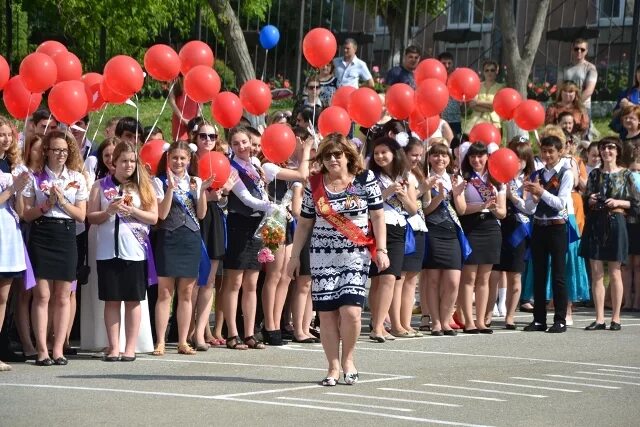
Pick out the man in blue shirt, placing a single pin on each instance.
(351, 70)
(404, 73)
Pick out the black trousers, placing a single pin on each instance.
(549, 241)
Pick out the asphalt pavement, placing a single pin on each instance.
(510, 378)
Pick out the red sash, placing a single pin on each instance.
(345, 226)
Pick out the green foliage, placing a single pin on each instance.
(227, 76)
(20, 45)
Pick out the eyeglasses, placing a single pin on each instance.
(490, 70)
(313, 87)
(59, 151)
(579, 49)
(609, 147)
(332, 154)
(211, 136)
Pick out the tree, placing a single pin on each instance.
(519, 64)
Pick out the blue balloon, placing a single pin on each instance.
(269, 36)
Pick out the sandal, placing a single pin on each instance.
(186, 349)
(234, 343)
(253, 343)
(159, 350)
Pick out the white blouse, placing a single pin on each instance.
(11, 244)
(184, 184)
(472, 195)
(416, 221)
(391, 214)
(241, 191)
(72, 183)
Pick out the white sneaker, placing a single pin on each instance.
(502, 310)
(495, 310)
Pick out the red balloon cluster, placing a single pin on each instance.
(68, 66)
(226, 108)
(432, 97)
(4, 72)
(504, 165)
(278, 142)
(123, 75)
(216, 165)
(505, 102)
(195, 53)
(400, 101)
(486, 133)
(341, 97)
(430, 68)
(319, 47)
(150, 155)
(162, 62)
(68, 101)
(51, 48)
(529, 115)
(202, 83)
(423, 126)
(38, 72)
(334, 119)
(19, 100)
(365, 107)
(92, 88)
(463, 84)
(255, 96)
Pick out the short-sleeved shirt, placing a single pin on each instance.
(73, 184)
(400, 74)
(580, 74)
(350, 73)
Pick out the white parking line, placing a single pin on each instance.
(393, 399)
(610, 387)
(435, 393)
(512, 393)
(526, 386)
(609, 375)
(618, 370)
(333, 402)
(591, 379)
(353, 411)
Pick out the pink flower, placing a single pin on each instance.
(265, 255)
(375, 69)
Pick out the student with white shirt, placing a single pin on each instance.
(248, 201)
(486, 205)
(389, 165)
(54, 200)
(178, 248)
(121, 207)
(549, 195)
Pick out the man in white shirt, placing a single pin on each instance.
(351, 70)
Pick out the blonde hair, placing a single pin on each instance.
(143, 182)
(554, 130)
(13, 152)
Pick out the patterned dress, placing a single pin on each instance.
(339, 267)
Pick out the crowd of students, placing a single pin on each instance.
(439, 222)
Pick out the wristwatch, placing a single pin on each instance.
(383, 250)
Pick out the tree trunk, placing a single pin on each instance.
(9, 46)
(234, 41)
(519, 65)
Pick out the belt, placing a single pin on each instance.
(50, 220)
(548, 222)
(618, 210)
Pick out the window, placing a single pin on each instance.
(474, 14)
(615, 12)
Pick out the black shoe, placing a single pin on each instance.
(615, 326)
(110, 358)
(62, 361)
(274, 338)
(510, 326)
(127, 358)
(471, 331)
(535, 327)
(450, 332)
(437, 333)
(10, 356)
(284, 334)
(70, 351)
(594, 326)
(30, 356)
(316, 334)
(557, 328)
(304, 341)
(44, 362)
(487, 331)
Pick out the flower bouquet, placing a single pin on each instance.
(272, 230)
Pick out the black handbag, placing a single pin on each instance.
(83, 270)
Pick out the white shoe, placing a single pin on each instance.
(495, 310)
(569, 322)
(502, 310)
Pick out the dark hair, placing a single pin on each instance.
(524, 152)
(412, 49)
(635, 77)
(34, 139)
(434, 150)
(491, 62)
(395, 126)
(151, 130)
(563, 115)
(101, 169)
(475, 149)
(399, 162)
(84, 119)
(612, 140)
(301, 132)
(178, 145)
(351, 41)
(194, 124)
(444, 55)
(336, 141)
(552, 141)
(414, 142)
(41, 114)
(580, 40)
(308, 115)
(253, 131)
(129, 124)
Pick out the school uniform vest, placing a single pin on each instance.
(543, 209)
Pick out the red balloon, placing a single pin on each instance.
(255, 96)
(505, 102)
(432, 97)
(463, 84)
(486, 133)
(51, 48)
(38, 72)
(202, 83)
(423, 126)
(124, 75)
(195, 53)
(529, 115)
(365, 107)
(4, 72)
(341, 97)
(334, 119)
(20, 103)
(430, 68)
(111, 96)
(150, 155)
(217, 165)
(278, 142)
(400, 100)
(92, 89)
(319, 47)
(68, 65)
(504, 165)
(226, 109)
(68, 101)
(162, 62)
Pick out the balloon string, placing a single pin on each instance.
(464, 119)
(48, 120)
(184, 104)
(161, 111)
(264, 69)
(104, 110)
(137, 116)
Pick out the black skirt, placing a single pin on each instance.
(121, 280)
(605, 237)
(511, 259)
(213, 231)
(413, 262)
(442, 250)
(52, 249)
(395, 249)
(484, 236)
(177, 252)
(633, 235)
(242, 246)
(305, 261)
